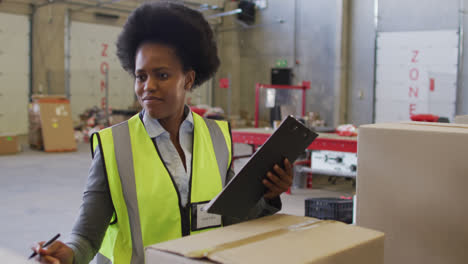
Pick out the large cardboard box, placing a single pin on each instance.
(8, 144)
(411, 185)
(51, 125)
(275, 239)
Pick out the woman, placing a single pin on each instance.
(149, 175)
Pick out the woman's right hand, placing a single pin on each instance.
(56, 253)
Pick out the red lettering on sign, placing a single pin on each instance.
(103, 103)
(103, 86)
(414, 74)
(104, 49)
(412, 108)
(413, 92)
(104, 67)
(432, 84)
(415, 54)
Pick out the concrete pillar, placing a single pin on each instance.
(229, 54)
(48, 48)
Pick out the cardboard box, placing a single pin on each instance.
(411, 185)
(275, 239)
(51, 125)
(461, 119)
(57, 126)
(8, 144)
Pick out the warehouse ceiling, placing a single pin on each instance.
(110, 10)
(125, 6)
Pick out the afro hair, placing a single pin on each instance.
(175, 25)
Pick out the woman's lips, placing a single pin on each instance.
(152, 101)
(151, 98)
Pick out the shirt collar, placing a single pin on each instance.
(154, 128)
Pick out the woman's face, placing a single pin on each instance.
(160, 82)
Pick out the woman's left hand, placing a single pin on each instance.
(278, 181)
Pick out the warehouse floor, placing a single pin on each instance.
(40, 194)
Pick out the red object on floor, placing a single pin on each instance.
(347, 133)
(199, 111)
(288, 191)
(425, 118)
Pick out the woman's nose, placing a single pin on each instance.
(150, 84)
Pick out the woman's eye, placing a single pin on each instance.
(141, 78)
(163, 76)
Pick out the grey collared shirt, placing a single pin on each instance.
(97, 209)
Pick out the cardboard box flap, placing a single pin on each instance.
(256, 241)
(419, 126)
(230, 234)
(435, 124)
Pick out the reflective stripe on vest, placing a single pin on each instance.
(133, 163)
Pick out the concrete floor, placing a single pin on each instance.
(40, 194)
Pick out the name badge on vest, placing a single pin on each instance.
(202, 219)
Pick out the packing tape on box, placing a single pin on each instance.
(205, 253)
(452, 125)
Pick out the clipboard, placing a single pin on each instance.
(245, 189)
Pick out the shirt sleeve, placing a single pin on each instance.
(262, 208)
(94, 216)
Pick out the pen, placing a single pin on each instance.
(45, 245)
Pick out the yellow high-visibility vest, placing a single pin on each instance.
(147, 203)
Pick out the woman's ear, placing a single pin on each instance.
(189, 80)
